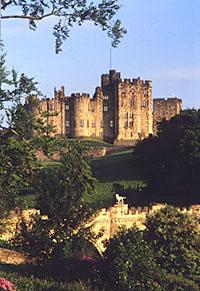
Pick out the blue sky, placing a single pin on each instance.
(162, 44)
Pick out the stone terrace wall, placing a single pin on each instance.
(12, 257)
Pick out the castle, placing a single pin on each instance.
(106, 221)
(120, 111)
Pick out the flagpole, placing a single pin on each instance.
(110, 57)
(0, 24)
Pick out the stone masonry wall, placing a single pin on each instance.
(12, 257)
(165, 109)
(107, 221)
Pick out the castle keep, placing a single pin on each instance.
(120, 111)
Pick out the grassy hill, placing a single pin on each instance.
(115, 173)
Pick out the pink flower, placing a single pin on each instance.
(6, 285)
(89, 259)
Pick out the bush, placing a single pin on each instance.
(35, 284)
(175, 239)
(128, 263)
(177, 283)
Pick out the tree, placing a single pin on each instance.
(164, 256)
(128, 263)
(67, 13)
(171, 160)
(60, 199)
(17, 161)
(175, 239)
(13, 87)
(17, 154)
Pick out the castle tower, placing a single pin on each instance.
(165, 109)
(86, 115)
(55, 109)
(109, 85)
(127, 108)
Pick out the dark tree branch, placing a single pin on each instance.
(69, 12)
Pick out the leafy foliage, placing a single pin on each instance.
(13, 86)
(129, 263)
(17, 161)
(17, 153)
(164, 256)
(175, 239)
(31, 283)
(63, 232)
(171, 160)
(68, 13)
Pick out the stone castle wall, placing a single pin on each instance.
(109, 221)
(106, 221)
(165, 109)
(15, 258)
(120, 111)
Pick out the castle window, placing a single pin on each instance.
(67, 107)
(93, 124)
(92, 107)
(123, 90)
(101, 124)
(105, 109)
(105, 97)
(143, 103)
(131, 123)
(88, 124)
(111, 123)
(81, 123)
(126, 115)
(67, 123)
(126, 124)
(131, 115)
(131, 102)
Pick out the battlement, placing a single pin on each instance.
(59, 94)
(80, 95)
(113, 76)
(135, 82)
(124, 210)
(167, 100)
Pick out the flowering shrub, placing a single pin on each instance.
(6, 285)
(88, 259)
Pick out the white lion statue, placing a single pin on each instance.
(120, 199)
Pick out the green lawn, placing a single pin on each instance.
(113, 173)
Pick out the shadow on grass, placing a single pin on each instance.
(116, 167)
(135, 196)
(64, 271)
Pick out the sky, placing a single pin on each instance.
(162, 44)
